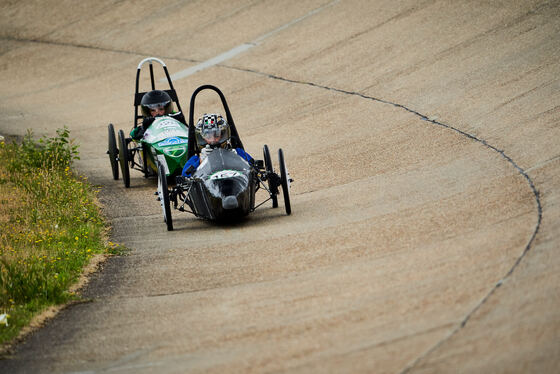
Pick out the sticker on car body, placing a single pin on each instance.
(173, 141)
(224, 174)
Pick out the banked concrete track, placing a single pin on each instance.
(423, 138)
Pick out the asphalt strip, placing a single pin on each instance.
(243, 47)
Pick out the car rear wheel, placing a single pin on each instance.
(113, 152)
(124, 159)
(285, 181)
(145, 168)
(272, 186)
(163, 197)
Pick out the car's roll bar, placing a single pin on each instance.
(138, 95)
(192, 149)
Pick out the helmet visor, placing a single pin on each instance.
(157, 109)
(157, 105)
(212, 134)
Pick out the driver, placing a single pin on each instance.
(212, 131)
(154, 104)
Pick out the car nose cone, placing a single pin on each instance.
(229, 202)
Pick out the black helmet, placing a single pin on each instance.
(156, 99)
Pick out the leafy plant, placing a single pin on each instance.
(50, 226)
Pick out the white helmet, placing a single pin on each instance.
(213, 130)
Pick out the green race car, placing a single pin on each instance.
(159, 135)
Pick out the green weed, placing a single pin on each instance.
(50, 227)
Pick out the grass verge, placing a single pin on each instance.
(50, 228)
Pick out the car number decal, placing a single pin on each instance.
(223, 174)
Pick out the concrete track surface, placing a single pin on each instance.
(423, 137)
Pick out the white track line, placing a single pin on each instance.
(211, 62)
(243, 47)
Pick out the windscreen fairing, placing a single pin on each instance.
(224, 185)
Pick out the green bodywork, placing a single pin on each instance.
(166, 137)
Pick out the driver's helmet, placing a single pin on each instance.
(213, 130)
(156, 101)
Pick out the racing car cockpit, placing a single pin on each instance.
(212, 131)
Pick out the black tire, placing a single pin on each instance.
(163, 195)
(271, 182)
(113, 152)
(285, 181)
(124, 159)
(145, 162)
